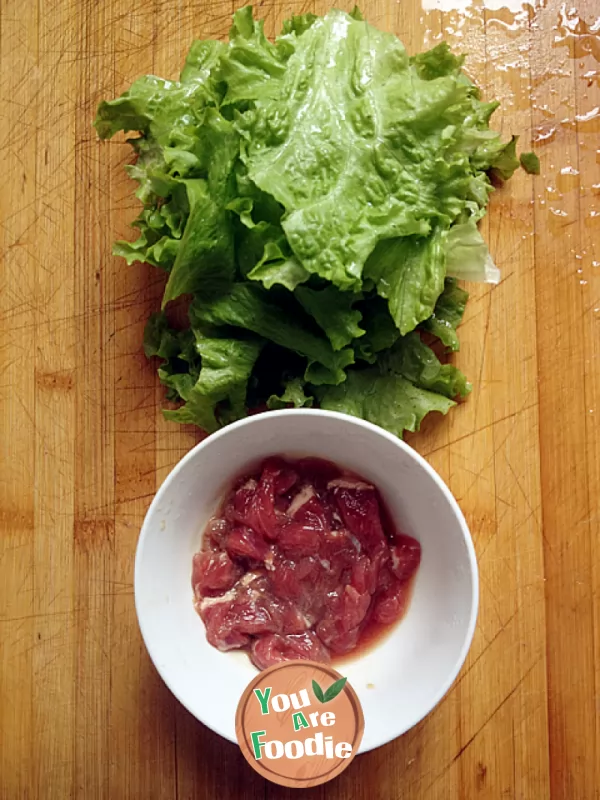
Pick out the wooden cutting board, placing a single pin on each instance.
(82, 711)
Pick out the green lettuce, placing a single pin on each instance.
(311, 200)
(249, 307)
(447, 314)
(409, 272)
(333, 312)
(388, 400)
(415, 361)
(408, 382)
(468, 257)
(380, 329)
(293, 395)
(217, 393)
(530, 163)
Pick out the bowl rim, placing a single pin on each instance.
(377, 430)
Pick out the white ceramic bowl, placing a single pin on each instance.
(401, 679)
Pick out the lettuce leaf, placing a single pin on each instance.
(409, 272)
(248, 307)
(277, 268)
(333, 313)
(448, 314)
(205, 256)
(316, 195)
(467, 255)
(415, 361)
(372, 146)
(500, 159)
(266, 257)
(388, 400)
(380, 329)
(298, 23)
(530, 163)
(159, 339)
(252, 64)
(407, 383)
(293, 395)
(219, 392)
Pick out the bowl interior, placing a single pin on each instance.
(401, 678)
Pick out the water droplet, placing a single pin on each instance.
(589, 115)
(576, 34)
(544, 134)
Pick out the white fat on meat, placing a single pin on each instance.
(340, 534)
(207, 602)
(395, 559)
(303, 496)
(349, 483)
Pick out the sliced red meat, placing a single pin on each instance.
(386, 577)
(213, 572)
(216, 532)
(269, 650)
(359, 508)
(296, 540)
(305, 568)
(391, 603)
(339, 551)
(299, 560)
(253, 614)
(317, 471)
(405, 557)
(287, 576)
(237, 509)
(243, 542)
(344, 641)
(221, 628)
(365, 574)
(292, 619)
(285, 480)
(307, 508)
(339, 628)
(253, 503)
(260, 512)
(284, 580)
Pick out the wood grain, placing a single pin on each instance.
(83, 713)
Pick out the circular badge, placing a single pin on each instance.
(299, 723)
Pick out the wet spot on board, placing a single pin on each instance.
(61, 380)
(93, 534)
(481, 775)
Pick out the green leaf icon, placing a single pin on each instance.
(318, 692)
(334, 689)
(332, 692)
